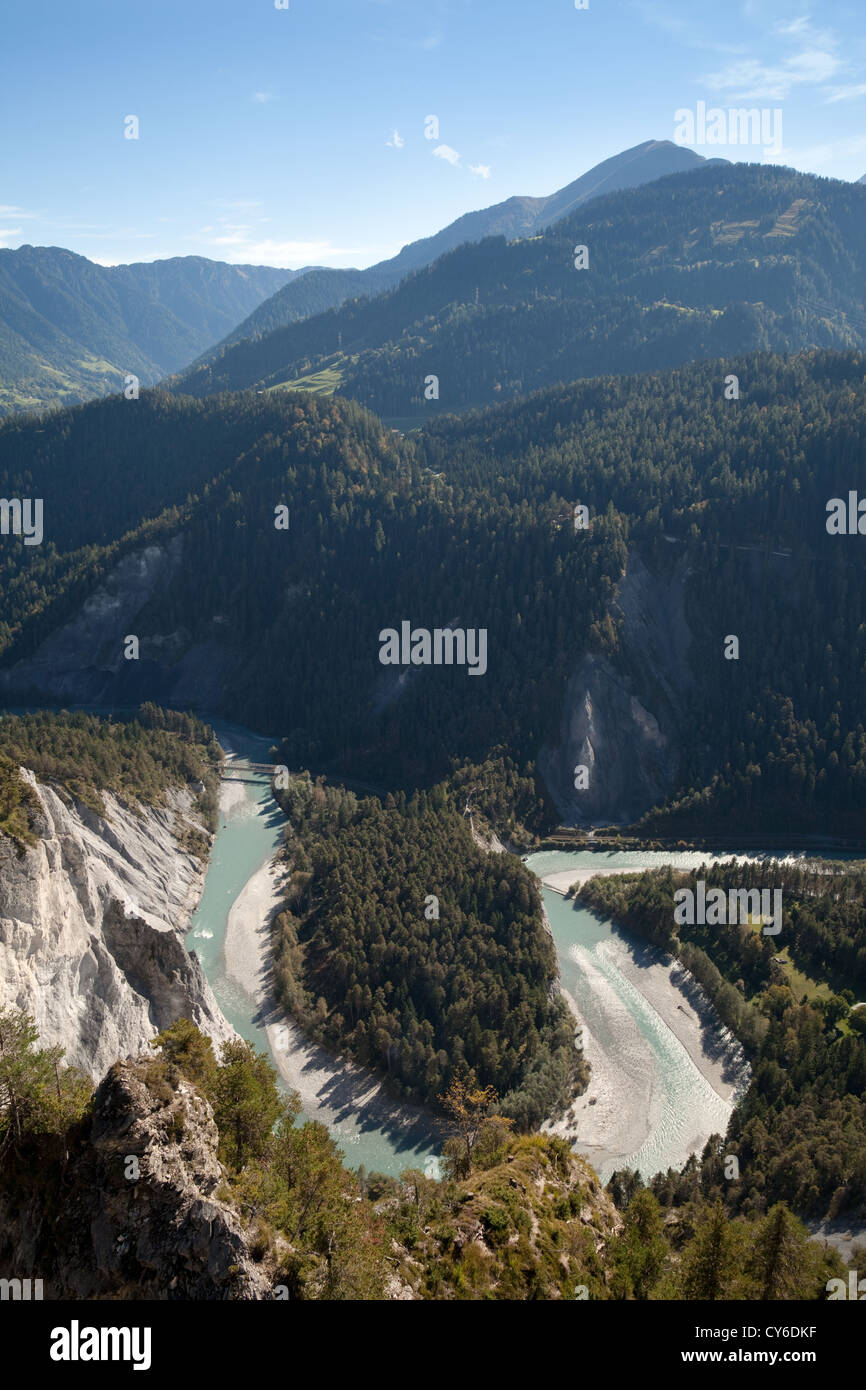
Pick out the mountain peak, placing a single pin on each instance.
(643, 163)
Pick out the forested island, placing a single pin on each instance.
(410, 947)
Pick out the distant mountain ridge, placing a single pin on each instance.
(71, 329)
(324, 289)
(723, 259)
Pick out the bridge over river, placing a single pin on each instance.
(243, 770)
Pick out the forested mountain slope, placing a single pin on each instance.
(723, 259)
(324, 288)
(71, 329)
(716, 503)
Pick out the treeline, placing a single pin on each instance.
(405, 945)
(136, 757)
(697, 1253)
(799, 1133)
(823, 912)
(16, 804)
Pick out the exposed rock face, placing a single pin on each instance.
(91, 928)
(83, 661)
(622, 724)
(162, 1235)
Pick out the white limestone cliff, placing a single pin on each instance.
(92, 923)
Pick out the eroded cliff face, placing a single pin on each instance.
(133, 1213)
(92, 922)
(622, 723)
(83, 661)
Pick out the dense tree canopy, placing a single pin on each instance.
(419, 953)
(473, 526)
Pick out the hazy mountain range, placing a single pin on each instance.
(71, 329)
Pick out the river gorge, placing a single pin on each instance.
(665, 1074)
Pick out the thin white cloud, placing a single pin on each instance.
(261, 97)
(396, 142)
(814, 65)
(752, 80)
(245, 244)
(847, 93)
(793, 27)
(813, 59)
(445, 152)
(803, 28)
(481, 170)
(826, 158)
(6, 232)
(684, 31)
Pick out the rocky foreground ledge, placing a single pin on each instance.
(103, 1232)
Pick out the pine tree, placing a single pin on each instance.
(709, 1262)
(640, 1252)
(247, 1103)
(781, 1262)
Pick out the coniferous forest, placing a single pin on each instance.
(472, 525)
(421, 954)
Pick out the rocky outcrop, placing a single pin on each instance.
(92, 922)
(133, 1213)
(537, 1225)
(621, 723)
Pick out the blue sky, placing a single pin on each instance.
(291, 137)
